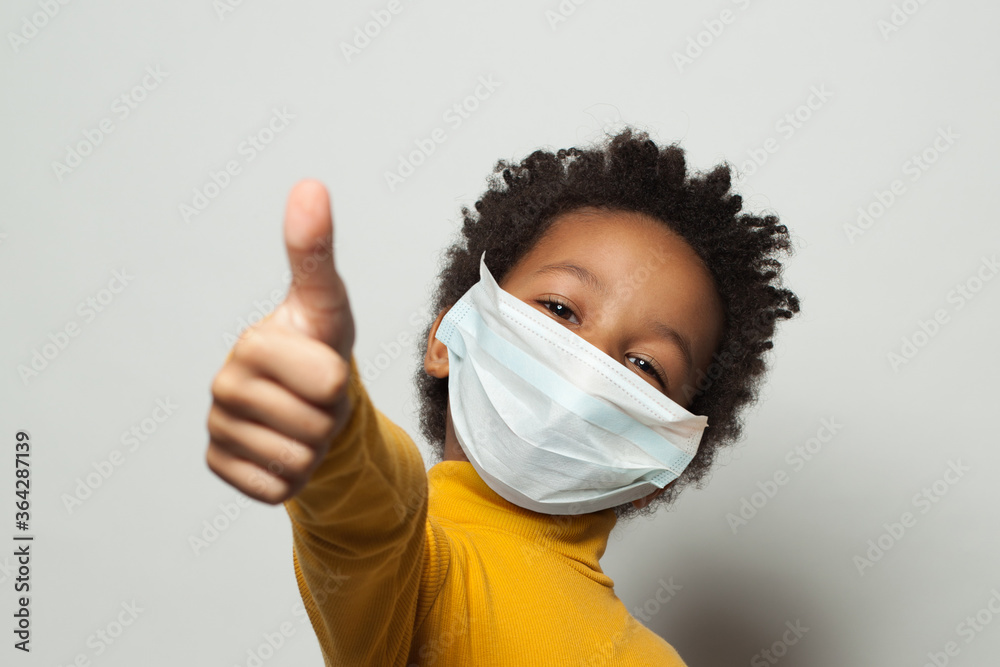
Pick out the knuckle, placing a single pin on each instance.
(333, 381)
(276, 468)
(274, 491)
(212, 425)
(293, 461)
(253, 347)
(210, 458)
(236, 395)
(224, 387)
(316, 427)
(270, 497)
(302, 464)
(219, 465)
(216, 423)
(256, 485)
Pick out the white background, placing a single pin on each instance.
(562, 83)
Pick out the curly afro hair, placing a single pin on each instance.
(628, 172)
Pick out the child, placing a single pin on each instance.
(601, 304)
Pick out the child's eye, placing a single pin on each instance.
(560, 310)
(649, 367)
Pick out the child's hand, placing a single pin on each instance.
(282, 395)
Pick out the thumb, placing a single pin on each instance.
(316, 304)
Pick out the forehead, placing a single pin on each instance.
(617, 241)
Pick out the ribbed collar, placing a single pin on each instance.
(458, 494)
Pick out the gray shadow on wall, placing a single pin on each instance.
(735, 615)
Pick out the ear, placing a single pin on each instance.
(436, 359)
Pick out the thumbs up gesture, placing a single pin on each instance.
(281, 397)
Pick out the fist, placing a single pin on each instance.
(281, 397)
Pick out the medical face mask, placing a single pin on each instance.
(549, 421)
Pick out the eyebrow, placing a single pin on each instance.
(580, 272)
(659, 328)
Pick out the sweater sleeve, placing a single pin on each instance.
(358, 532)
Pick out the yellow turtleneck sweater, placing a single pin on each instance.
(402, 567)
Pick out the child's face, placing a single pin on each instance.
(630, 287)
(626, 284)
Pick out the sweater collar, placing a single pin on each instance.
(459, 494)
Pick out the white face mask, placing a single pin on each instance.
(549, 421)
